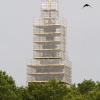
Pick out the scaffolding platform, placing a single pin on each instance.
(50, 59)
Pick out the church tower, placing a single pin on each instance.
(50, 59)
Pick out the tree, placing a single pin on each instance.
(52, 90)
(56, 90)
(23, 93)
(86, 86)
(7, 87)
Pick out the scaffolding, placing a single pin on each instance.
(49, 46)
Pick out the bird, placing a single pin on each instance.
(87, 5)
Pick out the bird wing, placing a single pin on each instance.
(90, 6)
(83, 6)
(87, 5)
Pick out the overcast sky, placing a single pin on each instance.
(83, 37)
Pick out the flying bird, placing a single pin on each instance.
(87, 5)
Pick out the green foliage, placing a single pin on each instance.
(52, 90)
(7, 87)
(86, 86)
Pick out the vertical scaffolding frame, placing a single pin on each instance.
(50, 59)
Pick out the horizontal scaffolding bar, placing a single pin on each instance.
(47, 49)
(47, 57)
(49, 33)
(41, 65)
(46, 73)
(38, 22)
(47, 41)
(43, 81)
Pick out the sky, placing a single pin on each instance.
(83, 37)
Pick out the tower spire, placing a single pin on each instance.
(50, 0)
(49, 47)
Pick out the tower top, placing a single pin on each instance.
(50, 0)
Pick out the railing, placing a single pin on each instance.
(48, 0)
(42, 22)
(40, 73)
(46, 38)
(49, 54)
(68, 63)
(68, 70)
(43, 69)
(67, 79)
(49, 62)
(45, 77)
(45, 62)
(49, 46)
(50, 6)
(41, 31)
